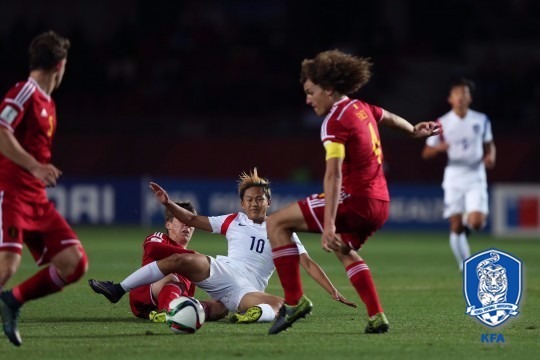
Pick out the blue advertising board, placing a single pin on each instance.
(111, 201)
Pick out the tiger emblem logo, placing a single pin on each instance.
(492, 284)
(492, 281)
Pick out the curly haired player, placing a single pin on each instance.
(355, 202)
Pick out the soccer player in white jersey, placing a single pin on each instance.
(239, 279)
(468, 141)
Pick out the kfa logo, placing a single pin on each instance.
(492, 284)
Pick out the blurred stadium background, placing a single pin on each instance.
(191, 93)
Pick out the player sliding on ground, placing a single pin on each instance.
(239, 279)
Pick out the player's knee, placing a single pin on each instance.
(176, 261)
(476, 221)
(78, 268)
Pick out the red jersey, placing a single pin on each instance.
(30, 114)
(159, 246)
(354, 124)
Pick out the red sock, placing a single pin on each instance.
(44, 282)
(168, 293)
(287, 263)
(360, 277)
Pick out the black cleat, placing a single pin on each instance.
(113, 292)
(10, 318)
(290, 314)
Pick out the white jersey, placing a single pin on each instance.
(248, 244)
(465, 138)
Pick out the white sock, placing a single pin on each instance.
(148, 274)
(268, 314)
(454, 245)
(464, 248)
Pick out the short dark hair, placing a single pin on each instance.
(47, 49)
(462, 82)
(337, 70)
(183, 204)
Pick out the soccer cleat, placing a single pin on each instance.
(157, 316)
(9, 321)
(289, 314)
(249, 316)
(378, 324)
(113, 292)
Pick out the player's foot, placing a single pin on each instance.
(377, 324)
(249, 316)
(10, 318)
(113, 292)
(289, 314)
(157, 316)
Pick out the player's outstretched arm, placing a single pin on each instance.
(185, 216)
(420, 130)
(318, 274)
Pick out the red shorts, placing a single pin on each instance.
(44, 231)
(357, 217)
(142, 302)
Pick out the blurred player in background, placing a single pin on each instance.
(150, 301)
(239, 279)
(27, 127)
(468, 141)
(355, 202)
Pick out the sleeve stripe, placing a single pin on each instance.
(6, 125)
(227, 223)
(382, 116)
(345, 109)
(11, 101)
(24, 94)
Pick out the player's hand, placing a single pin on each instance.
(426, 129)
(330, 241)
(159, 192)
(489, 161)
(443, 146)
(46, 173)
(338, 297)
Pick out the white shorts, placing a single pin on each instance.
(465, 200)
(229, 282)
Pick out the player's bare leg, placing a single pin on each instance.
(476, 220)
(257, 307)
(195, 267)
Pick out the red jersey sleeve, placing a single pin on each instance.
(15, 103)
(334, 130)
(155, 247)
(159, 251)
(376, 111)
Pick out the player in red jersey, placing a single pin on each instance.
(355, 202)
(150, 301)
(27, 127)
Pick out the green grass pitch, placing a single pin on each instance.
(415, 273)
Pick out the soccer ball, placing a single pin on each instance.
(185, 315)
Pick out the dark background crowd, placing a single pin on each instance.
(209, 88)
